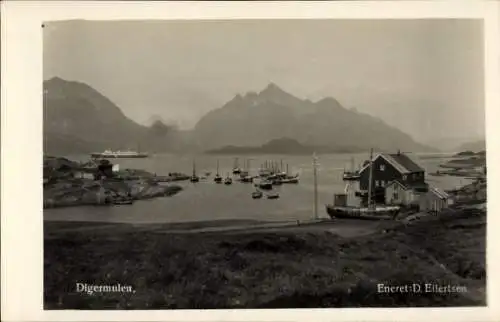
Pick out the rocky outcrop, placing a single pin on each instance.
(63, 187)
(78, 192)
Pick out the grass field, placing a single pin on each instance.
(285, 268)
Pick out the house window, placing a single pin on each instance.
(382, 167)
(377, 183)
(404, 177)
(395, 195)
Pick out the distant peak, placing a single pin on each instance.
(274, 91)
(272, 87)
(55, 79)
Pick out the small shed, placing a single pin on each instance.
(398, 193)
(435, 200)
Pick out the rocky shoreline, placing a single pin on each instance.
(66, 185)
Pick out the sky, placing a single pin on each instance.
(423, 76)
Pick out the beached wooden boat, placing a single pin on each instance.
(369, 213)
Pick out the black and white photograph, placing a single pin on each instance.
(264, 164)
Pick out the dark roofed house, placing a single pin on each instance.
(104, 169)
(396, 169)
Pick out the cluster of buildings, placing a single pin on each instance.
(62, 168)
(398, 180)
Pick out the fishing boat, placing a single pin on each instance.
(217, 178)
(351, 174)
(194, 177)
(245, 176)
(277, 182)
(246, 179)
(257, 194)
(272, 195)
(236, 168)
(228, 180)
(291, 180)
(109, 154)
(287, 178)
(339, 208)
(263, 172)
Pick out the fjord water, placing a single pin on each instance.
(206, 200)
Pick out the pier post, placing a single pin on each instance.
(315, 172)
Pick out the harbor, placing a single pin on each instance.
(206, 200)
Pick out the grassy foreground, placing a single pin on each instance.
(280, 269)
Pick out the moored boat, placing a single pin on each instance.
(236, 168)
(228, 180)
(277, 182)
(348, 175)
(352, 174)
(265, 185)
(194, 177)
(257, 194)
(109, 154)
(246, 179)
(273, 195)
(217, 178)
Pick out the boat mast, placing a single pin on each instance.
(194, 168)
(217, 167)
(370, 179)
(315, 166)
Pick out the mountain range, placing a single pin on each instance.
(79, 119)
(474, 146)
(256, 118)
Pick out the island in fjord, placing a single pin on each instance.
(285, 146)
